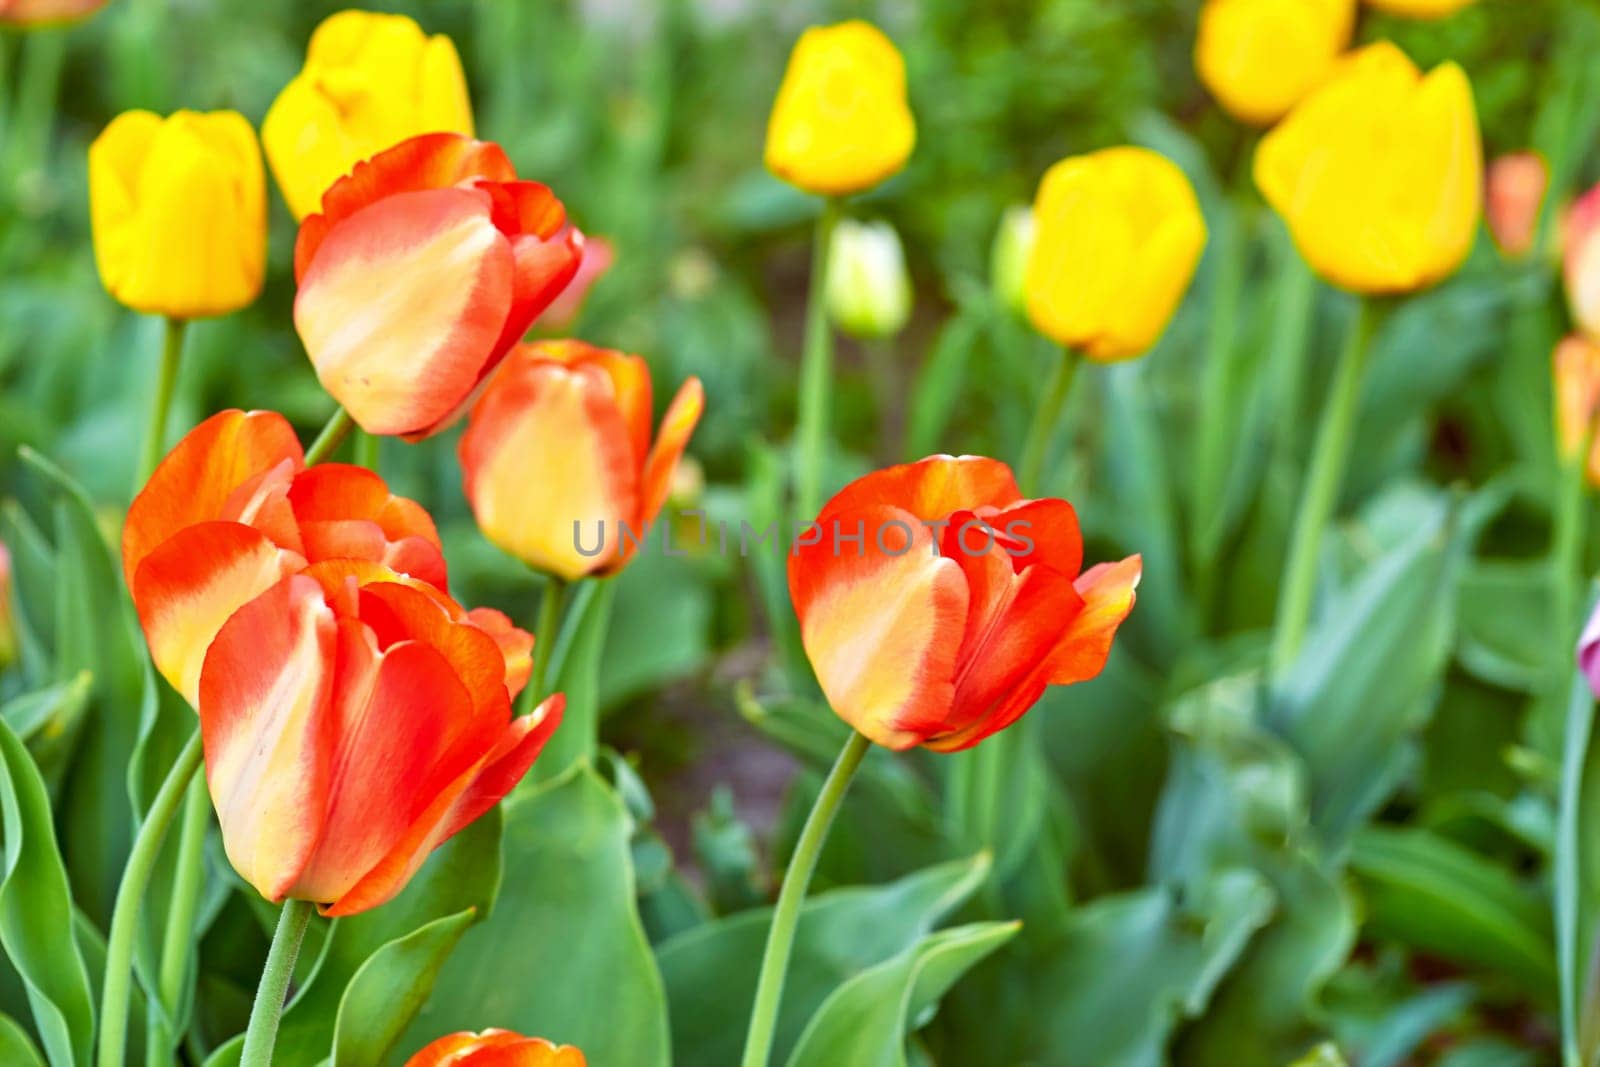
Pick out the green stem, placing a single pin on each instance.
(816, 371)
(333, 433)
(118, 989)
(179, 933)
(785, 917)
(367, 454)
(161, 404)
(1320, 494)
(1295, 298)
(1566, 548)
(1568, 867)
(262, 1032)
(544, 637)
(1046, 417)
(1219, 416)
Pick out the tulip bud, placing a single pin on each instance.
(1259, 57)
(1516, 185)
(841, 122)
(1379, 173)
(1008, 258)
(179, 212)
(1119, 236)
(869, 290)
(495, 1048)
(30, 13)
(1576, 368)
(369, 82)
(1581, 261)
(8, 627)
(1419, 9)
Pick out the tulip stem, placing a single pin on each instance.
(332, 436)
(155, 436)
(786, 916)
(544, 637)
(179, 933)
(1046, 419)
(118, 989)
(816, 369)
(1320, 494)
(367, 454)
(262, 1033)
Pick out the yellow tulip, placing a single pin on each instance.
(370, 81)
(1419, 9)
(1379, 173)
(1260, 57)
(1118, 234)
(179, 210)
(841, 122)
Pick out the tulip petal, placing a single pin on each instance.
(516, 645)
(881, 630)
(265, 711)
(1040, 533)
(198, 479)
(402, 305)
(348, 512)
(542, 268)
(1108, 596)
(676, 427)
(192, 583)
(931, 489)
(459, 803)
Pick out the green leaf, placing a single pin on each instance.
(390, 988)
(575, 669)
(711, 971)
(569, 912)
(36, 915)
(46, 721)
(865, 1022)
(1435, 895)
(16, 1047)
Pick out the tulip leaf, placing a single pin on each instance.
(47, 720)
(865, 1021)
(569, 914)
(16, 1047)
(36, 913)
(710, 971)
(575, 669)
(389, 988)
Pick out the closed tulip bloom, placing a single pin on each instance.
(1576, 368)
(1259, 57)
(869, 288)
(936, 604)
(496, 1048)
(46, 12)
(1581, 261)
(1419, 9)
(369, 82)
(353, 720)
(232, 510)
(1516, 186)
(179, 212)
(841, 122)
(1118, 236)
(1589, 651)
(557, 459)
(425, 265)
(1379, 173)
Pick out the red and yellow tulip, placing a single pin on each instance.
(936, 604)
(495, 1048)
(425, 265)
(572, 420)
(1515, 186)
(1580, 240)
(46, 12)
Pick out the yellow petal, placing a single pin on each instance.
(1260, 57)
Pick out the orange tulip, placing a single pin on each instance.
(1580, 241)
(495, 1048)
(46, 12)
(353, 720)
(563, 311)
(1515, 188)
(426, 264)
(936, 604)
(559, 467)
(232, 510)
(1575, 366)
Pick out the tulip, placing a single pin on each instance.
(426, 264)
(869, 289)
(1119, 234)
(841, 122)
(1419, 9)
(1259, 57)
(1576, 369)
(936, 604)
(1008, 258)
(1515, 185)
(179, 212)
(8, 629)
(495, 1048)
(231, 511)
(1581, 261)
(573, 421)
(45, 12)
(1378, 173)
(353, 720)
(563, 311)
(369, 82)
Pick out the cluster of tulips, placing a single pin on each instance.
(353, 715)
